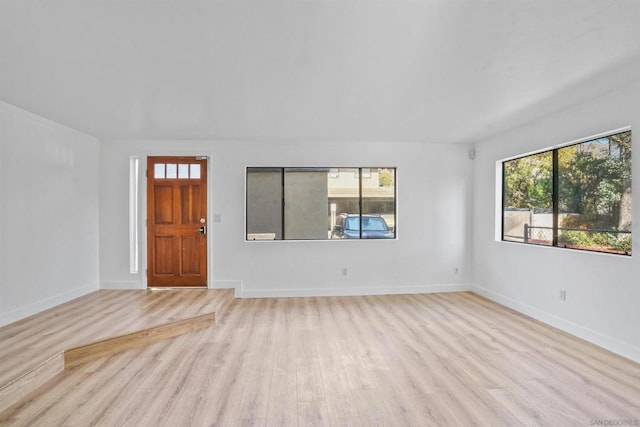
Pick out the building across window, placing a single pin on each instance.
(320, 203)
(577, 196)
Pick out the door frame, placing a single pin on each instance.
(142, 209)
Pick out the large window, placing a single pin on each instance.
(577, 196)
(320, 203)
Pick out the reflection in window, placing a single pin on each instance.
(320, 203)
(577, 197)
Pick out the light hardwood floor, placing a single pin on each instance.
(34, 349)
(407, 360)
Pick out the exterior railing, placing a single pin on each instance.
(544, 235)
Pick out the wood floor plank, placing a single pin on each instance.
(282, 399)
(414, 360)
(372, 408)
(30, 342)
(313, 414)
(334, 376)
(309, 380)
(341, 405)
(346, 422)
(29, 381)
(107, 347)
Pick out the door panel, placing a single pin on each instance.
(176, 214)
(190, 196)
(163, 204)
(163, 259)
(190, 258)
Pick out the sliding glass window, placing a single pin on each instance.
(320, 203)
(577, 196)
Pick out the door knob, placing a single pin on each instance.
(203, 229)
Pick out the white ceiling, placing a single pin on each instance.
(343, 70)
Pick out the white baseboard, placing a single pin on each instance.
(122, 285)
(612, 344)
(226, 284)
(44, 304)
(326, 292)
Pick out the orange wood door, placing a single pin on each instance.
(176, 221)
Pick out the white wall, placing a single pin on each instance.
(48, 214)
(434, 195)
(603, 291)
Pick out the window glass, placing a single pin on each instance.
(577, 197)
(378, 203)
(194, 171)
(320, 203)
(594, 180)
(264, 204)
(344, 199)
(352, 223)
(528, 202)
(172, 171)
(158, 171)
(306, 202)
(183, 171)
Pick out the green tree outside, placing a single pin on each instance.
(594, 190)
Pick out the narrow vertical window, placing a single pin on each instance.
(133, 214)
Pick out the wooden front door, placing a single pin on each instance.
(176, 221)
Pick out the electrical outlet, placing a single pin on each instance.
(563, 294)
(455, 270)
(344, 271)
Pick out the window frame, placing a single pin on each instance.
(555, 196)
(332, 173)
